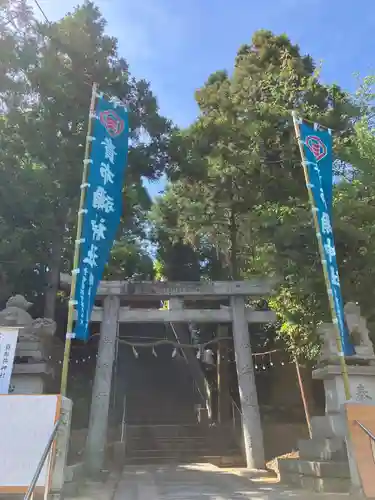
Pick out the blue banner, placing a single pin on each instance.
(103, 204)
(317, 148)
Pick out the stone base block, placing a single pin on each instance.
(62, 444)
(231, 461)
(313, 468)
(328, 426)
(74, 473)
(318, 484)
(322, 449)
(26, 384)
(31, 349)
(361, 382)
(29, 378)
(71, 489)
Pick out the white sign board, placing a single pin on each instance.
(8, 344)
(26, 423)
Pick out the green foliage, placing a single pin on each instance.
(158, 270)
(355, 206)
(237, 193)
(296, 322)
(236, 204)
(176, 258)
(129, 261)
(45, 90)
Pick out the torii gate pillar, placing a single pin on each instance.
(251, 424)
(101, 393)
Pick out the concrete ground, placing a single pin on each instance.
(193, 482)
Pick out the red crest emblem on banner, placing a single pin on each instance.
(112, 122)
(316, 146)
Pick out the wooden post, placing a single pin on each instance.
(303, 397)
(223, 391)
(98, 424)
(251, 424)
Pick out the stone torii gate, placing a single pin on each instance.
(112, 313)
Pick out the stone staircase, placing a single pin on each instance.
(149, 444)
(160, 409)
(159, 390)
(322, 465)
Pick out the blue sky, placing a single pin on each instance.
(176, 44)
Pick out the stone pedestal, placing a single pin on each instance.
(323, 463)
(361, 381)
(29, 378)
(30, 369)
(326, 462)
(333, 426)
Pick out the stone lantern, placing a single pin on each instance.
(31, 368)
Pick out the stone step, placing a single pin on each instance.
(231, 457)
(313, 468)
(177, 431)
(182, 441)
(166, 430)
(219, 461)
(177, 438)
(322, 449)
(180, 453)
(181, 446)
(318, 484)
(328, 426)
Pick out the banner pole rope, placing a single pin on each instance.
(339, 344)
(71, 309)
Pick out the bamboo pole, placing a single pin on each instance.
(303, 397)
(85, 171)
(344, 370)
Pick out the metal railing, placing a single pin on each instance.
(42, 460)
(123, 422)
(367, 431)
(205, 397)
(235, 408)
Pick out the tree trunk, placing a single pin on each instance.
(53, 278)
(233, 235)
(5, 287)
(223, 389)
